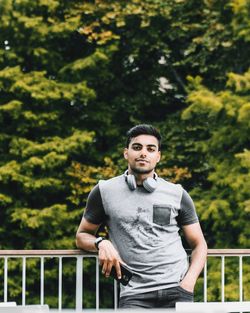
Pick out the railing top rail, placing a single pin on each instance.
(75, 252)
(44, 252)
(228, 252)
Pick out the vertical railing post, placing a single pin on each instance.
(24, 281)
(115, 295)
(240, 277)
(79, 281)
(42, 281)
(222, 278)
(60, 284)
(205, 282)
(97, 296)
(5, 279)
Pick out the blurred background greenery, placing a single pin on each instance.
(76, 75)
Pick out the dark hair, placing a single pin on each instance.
(143, 129)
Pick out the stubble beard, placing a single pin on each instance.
(138, 170)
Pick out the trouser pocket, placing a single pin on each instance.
(185, 295)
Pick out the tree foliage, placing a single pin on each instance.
(227, 156)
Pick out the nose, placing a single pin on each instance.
(143, 153)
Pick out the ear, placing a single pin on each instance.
(125, 153)
(159, 156)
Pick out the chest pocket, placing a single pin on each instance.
(161, 214)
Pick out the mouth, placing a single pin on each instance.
(141, 161)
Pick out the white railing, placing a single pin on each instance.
(79, 256)
(223, 254)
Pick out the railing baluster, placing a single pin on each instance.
(79, 281)
(60, 284)
(240, 277)
(115, 295)
(24, 281)
(5, 279)
(42, 280)
(222, 278)
(97, 296)
(205, 282)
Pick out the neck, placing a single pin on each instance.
(140, 177)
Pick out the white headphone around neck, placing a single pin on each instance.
(150, 183)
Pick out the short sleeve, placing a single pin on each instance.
(187, 213)
(94, 212)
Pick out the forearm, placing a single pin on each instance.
(86, 241)
(198, 259)
(108, 256)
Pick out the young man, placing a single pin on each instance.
(144, 214)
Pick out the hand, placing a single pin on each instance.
(109, 257)
(187, 285)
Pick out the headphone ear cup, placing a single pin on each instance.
(131, 182)
(150, 184)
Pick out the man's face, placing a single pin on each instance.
(142, 154)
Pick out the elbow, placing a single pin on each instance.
(204, 247)
(201, 246)
(77, 241)
(205, 244)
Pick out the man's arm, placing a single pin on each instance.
(195, 239)
(108, 256)
(85, 236)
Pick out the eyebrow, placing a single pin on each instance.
(139, 144)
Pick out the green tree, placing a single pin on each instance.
(223, 202)
(41, 134)
(226, 151)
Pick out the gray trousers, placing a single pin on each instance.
(164, 298)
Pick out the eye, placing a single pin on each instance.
(150, 149)
(137, 148)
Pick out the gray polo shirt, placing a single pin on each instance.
(144, 228)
